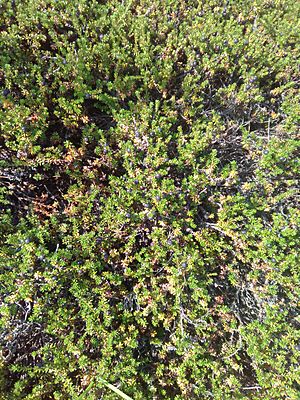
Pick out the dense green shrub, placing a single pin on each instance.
(149, 199)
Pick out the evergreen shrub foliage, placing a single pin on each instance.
(149, 199)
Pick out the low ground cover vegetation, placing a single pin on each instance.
(149, 170)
